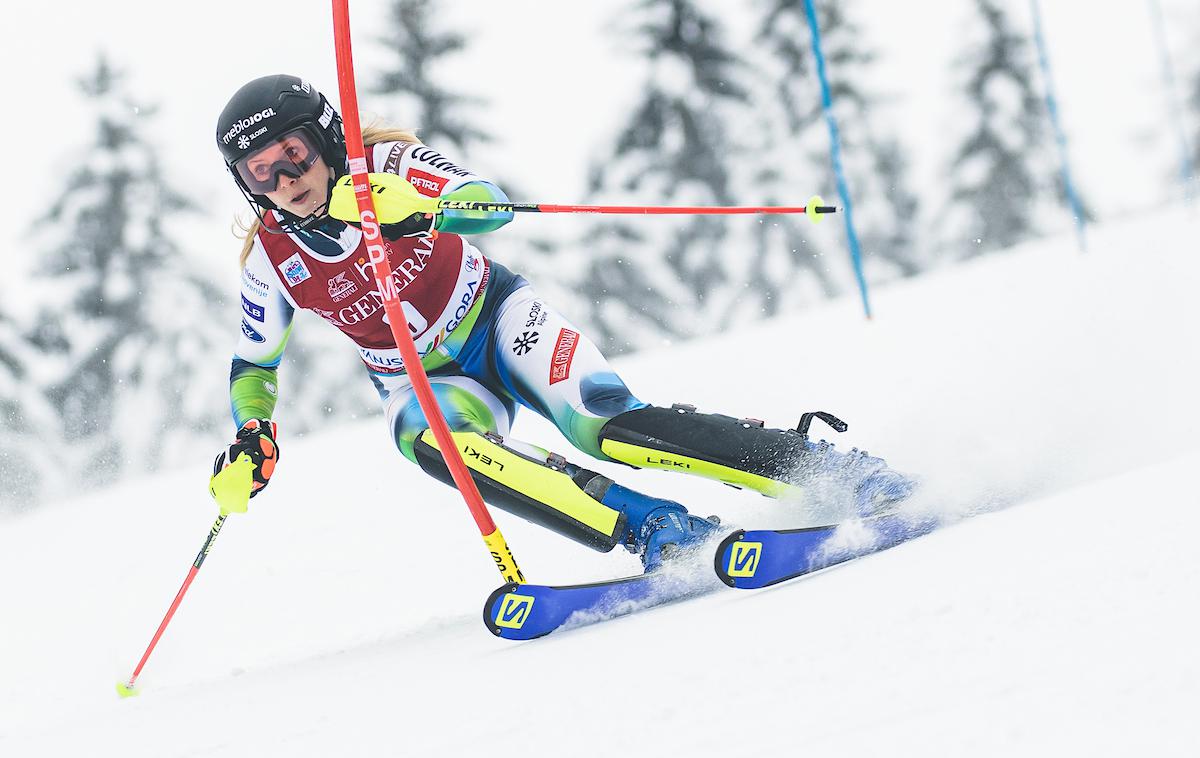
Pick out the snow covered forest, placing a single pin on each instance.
(119, 313)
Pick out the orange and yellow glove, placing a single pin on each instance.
(256, 438)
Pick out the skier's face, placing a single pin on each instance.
(304, 195)
(290, 172)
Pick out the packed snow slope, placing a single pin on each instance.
(1051, 395)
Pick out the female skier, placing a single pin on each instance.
(487, 341)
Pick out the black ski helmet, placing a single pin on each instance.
(270, 106)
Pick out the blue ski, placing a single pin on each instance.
(744, 559)
(528, 611)
(760, 558)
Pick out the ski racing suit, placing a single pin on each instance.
(489, 344)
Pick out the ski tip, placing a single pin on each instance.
(721, 559)
(493, 608)
(125, 689)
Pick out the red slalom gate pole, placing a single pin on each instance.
(377, 252)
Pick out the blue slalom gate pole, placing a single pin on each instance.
(1187, 169)
(1059, 136)
(836, 154)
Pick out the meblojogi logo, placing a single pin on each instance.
(245, 123)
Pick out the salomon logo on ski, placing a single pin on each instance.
(514, 610)
(743, 558)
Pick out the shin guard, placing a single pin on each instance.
(738, 452)
(548, 492)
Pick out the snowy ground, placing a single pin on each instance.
(341, 616)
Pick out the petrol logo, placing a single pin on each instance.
(743, 559)
(513, 611)
(425, 183)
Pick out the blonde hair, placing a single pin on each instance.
(372, 134)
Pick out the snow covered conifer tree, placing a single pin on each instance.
(872, 156)
(24, 452)
(1005, 175)
(449, 121)
(652, 279)
(422, 100)
(1195, 102)
(130, 327)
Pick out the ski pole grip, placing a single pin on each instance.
(231, 486)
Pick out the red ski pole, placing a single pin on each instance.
(231, 489)
(814, 209)
(127, 688)
(377, 253)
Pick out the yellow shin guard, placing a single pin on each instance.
(549, 492)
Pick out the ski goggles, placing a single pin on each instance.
(291, 153)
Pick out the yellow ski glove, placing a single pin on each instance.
(401, 210)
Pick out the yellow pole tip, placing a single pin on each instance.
(810, 209)
(125, 690)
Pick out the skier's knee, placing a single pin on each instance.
(602, 398)
(463, 413)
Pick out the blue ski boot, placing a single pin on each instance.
(658, 529)
(882, 491)
(876, 489)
